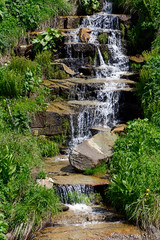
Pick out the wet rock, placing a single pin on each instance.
(119, 128)
(73, 22)
(65, 68)
(137, 59)
(23, 50)
(64, 207)
(93, 151)
(84, 34)
(96, 129)
(47, 182)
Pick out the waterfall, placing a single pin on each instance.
(97, 107)
(73, 193)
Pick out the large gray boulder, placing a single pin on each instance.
(93, 152)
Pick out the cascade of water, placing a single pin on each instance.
(105, 111)
(73, 193)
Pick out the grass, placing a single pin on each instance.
(135, 169)
(97, 171)
(17, 18)
(21, 96)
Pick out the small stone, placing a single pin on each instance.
(47, 182)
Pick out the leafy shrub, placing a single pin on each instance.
(20, 77)
(90, 6)
(31, 211)
(10, 83)
(149, 87)
(44, 60)
(103, 38)
(48, 148)
(47, 40)
(21, 65)
(3, 226)
(135, 168)
(18, 16)
(41, 175)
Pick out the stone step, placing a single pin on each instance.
(131, 76)
(66, 175)
(92, 71)
(84, 51)
(74, 21)
(72, 81)
(80, 88)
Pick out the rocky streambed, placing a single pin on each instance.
(89, 220)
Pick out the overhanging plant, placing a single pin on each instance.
(47, 40)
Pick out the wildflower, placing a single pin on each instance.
(147, 194)
(147, 190)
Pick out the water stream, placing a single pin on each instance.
(97, 106)
(103, 108)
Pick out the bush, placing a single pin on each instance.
(16, 17)
(90, 6)
(135, 168)
(47, 40)
(149, 86)
(19, 154)
(20, 77)
(44, 60)
(47, 147)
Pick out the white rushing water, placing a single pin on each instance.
(105, 113)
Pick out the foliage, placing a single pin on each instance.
(47, 147)
(135, 67)
(44, 60)
(47, 40)
(19, 154)
(41, 175)
(97, 171)
(135, 169)
(146, 19)
(103, 38)
(3, 226)
(90, 6)
(76, 197)
(149, 85)
(17, 17)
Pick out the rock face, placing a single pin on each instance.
(93, 151)
(84, 34)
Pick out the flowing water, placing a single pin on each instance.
(98, 106)
(103, 108)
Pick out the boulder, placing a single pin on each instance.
(92, 152)
(84, 34)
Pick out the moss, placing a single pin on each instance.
(58, 73)
(103, 38)
(122, 28)
(105, 56)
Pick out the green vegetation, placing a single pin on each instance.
(47, 147)
(76, 197)
(17, 17)
(146, 20)
(103, 38)
(90, 6)
(135, 169)
(97, 171)
(47, 40)
(21, 96)
(135, 166)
